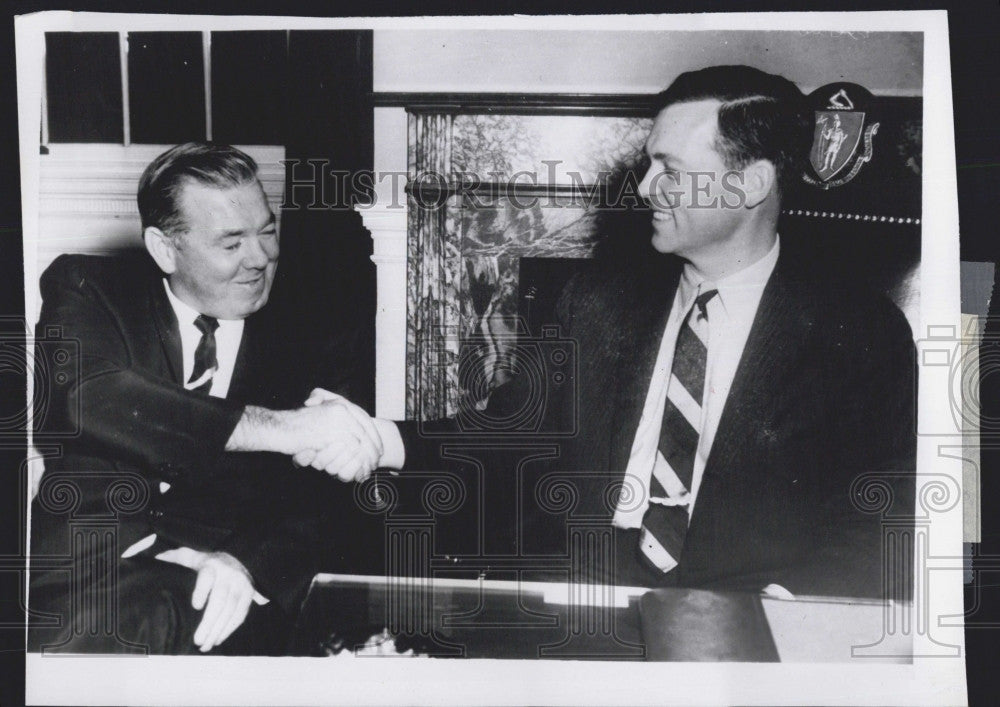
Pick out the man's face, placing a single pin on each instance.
(225, 260)
(690, 191)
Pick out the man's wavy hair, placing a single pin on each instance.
(160, 186)
(762, 116)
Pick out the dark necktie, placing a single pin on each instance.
(205, 361)
(664, 526)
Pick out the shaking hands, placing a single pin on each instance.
(328, 432)
(344, 442)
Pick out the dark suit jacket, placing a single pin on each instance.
(125, 397)
(824, 393)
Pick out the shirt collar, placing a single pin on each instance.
(739, 293)
(186, 314)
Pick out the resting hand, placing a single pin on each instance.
(349, 447)
(223, 589)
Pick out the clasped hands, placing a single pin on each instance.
(337, 437)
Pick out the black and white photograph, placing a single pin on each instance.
(556, 360)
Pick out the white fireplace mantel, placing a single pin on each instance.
(387, 224)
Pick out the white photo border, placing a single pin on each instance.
(932, 678)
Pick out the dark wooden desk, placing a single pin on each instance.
(475, 618)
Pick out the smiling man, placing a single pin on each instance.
(766, 388)
(737, 394)
(716, 217)
(181, 387)
(228, 272)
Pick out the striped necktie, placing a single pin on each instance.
(664, 526)
(205, 361)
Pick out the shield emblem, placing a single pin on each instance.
(842, 134)
(835, 141)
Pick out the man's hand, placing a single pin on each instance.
(331, 434)
(347, 462)
(223, 589)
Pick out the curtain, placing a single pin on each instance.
(434, 274)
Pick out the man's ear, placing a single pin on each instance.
(162, 248)
(760, 178)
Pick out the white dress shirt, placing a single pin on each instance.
(730, 317)
(227, 344)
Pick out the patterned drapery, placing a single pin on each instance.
(433, 273)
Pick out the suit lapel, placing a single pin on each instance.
(167, 329)
(780, 331)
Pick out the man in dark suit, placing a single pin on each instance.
(186, 403)
(735, 399)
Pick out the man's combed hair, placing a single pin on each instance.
(762, 116)
(219, 166)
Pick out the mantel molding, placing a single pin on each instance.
(387, 224)
(623, 104)
(77, 182)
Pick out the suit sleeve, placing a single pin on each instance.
(117, 407)
(880, 446)
(486, 455)
(423, 440)
(281, 558)
(316, 527)
(873, 454)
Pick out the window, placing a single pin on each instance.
(165, 87)
(84, 87)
